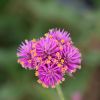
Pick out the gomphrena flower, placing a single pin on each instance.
(52, 56)
(49, 75)
(72, 58)
(63, 37)
(26, 54)
(46, 47)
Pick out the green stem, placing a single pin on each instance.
(60, 93)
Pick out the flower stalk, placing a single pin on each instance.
(60, 93)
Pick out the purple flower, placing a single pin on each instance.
(72, 58)
(51, 56)
(47, 48)
(63, 37)
(49, 75)
(25, 54)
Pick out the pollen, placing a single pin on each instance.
(18, 61)
(37, 67)
(39, 58)
(29, 61)
(62, 41)
(63, 79)
(79, 67)
(21, 62)
(61, 48)
(58, 55)
(39, 81)
(31, 51)
(34, 54)
(36, 73)
(63, 70)
(48, 61)
(59, 65)
(55, 61)
(33, 46)
(49, 57)
(34, 40)
(73, 71)
(50, 36)
(62, 61)
(44, 85)
(46, 34)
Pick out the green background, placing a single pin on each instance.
(27, 19)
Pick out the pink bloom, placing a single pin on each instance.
(25, 55)
(49, 75)
(51, 57)
(72, 58)
(63, 37)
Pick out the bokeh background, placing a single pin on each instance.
(27, 19)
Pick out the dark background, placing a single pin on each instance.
(27, 19)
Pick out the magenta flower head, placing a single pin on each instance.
(72, 58)
(25, 54)
(49, 75)
(63, 37)
(46, 47)
(52, 57)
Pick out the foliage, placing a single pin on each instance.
(25, 19)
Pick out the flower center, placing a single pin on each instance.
(50, 72)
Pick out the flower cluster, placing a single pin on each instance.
(51, 56)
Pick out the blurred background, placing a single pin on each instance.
(27, 19)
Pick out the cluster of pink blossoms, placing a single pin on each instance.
(51, 56)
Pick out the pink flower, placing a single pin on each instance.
(49, 74)
(72, 58)
(51, 56)
(25, 54)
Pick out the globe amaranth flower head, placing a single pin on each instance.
(26, 54)
(63, 37)
(47, 47)
(72, 58)
(52, 57)
(49, 74)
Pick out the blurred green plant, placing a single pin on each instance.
(21, 19)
